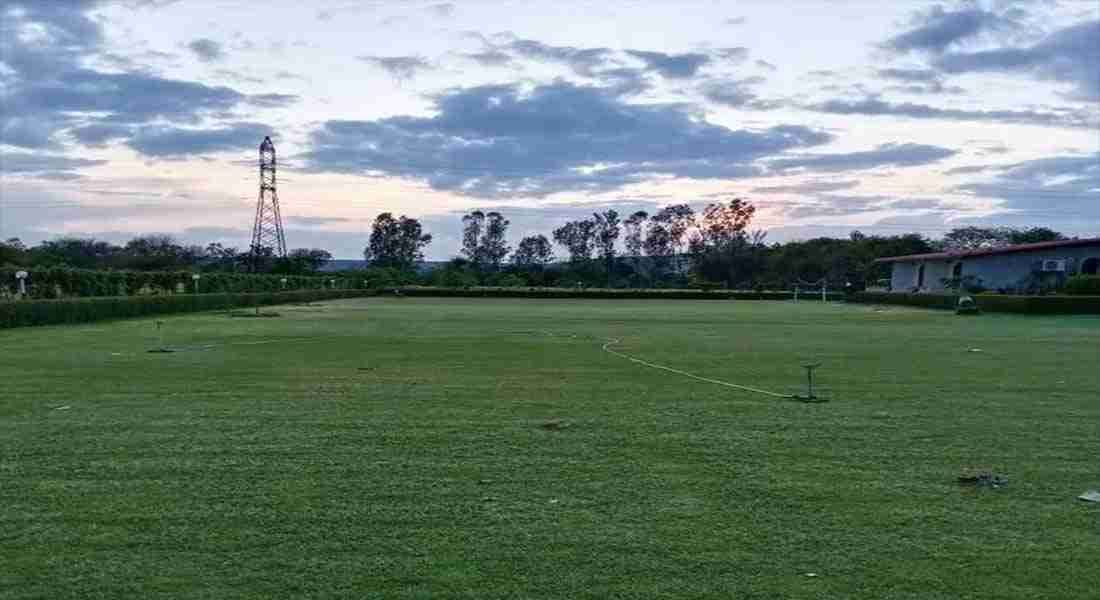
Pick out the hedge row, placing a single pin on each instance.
(64, 282)
(1035, 305)
(604, 293)
(85, 310)
(1083, 285)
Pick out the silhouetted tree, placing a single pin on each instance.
(533, 252)
(494, 248)
(578, 237)
(396, 243)
(719, 247)
(607, 233)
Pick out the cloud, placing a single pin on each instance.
(502, 140)
(885, 155)
(672, 66)
(968, 169)
(442, 10)
(834, 205)
(272, 100)
(583, 61)
(178, 142)
(918, 75)
(206, 50)
(767, 66)
(736, 21)
(937, 29)
(918, 81)
(288, 75)
(99, 134)
(1068, 55)
(399, 67)
(47, 91)
(735, 54)
(807, 187)
(237, 76)
(490, 58)
(315, 221)
(736, 93)
(26, 163)
(1067, 187)
(875, 106)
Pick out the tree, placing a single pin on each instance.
(665, 237)
(12, 252)
(607, 229)
(977, 238)
(1034, 235)
(156, 252)
(222, 258)
(677, 220)
(721, 240)
(396, 243)
(483, 242)
(493, 246)
(578, 237)
(533, 252)
(473, 225)
(81, 253)
(974, 238)
(634, 226)
(305, 260)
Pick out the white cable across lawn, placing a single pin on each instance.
(607, 348)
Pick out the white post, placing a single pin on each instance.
(824, 295)
(796, 292)
(21, 276)
(332, 284)
(195, 278)
(283, 280)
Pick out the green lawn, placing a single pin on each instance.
(396, 448)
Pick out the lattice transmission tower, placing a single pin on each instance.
(268, 240)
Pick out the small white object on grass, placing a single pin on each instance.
(1090, 496)
(975, 350)
(66, 407)
(811, 574)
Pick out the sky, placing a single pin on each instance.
(145, 116)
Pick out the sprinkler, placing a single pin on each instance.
(161, 348)
(809, 396)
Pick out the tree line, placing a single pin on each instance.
(673, 247)
(156, 253)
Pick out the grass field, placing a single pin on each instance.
(400, 448)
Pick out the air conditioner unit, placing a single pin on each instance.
(1054, 265)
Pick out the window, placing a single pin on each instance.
(957, 271)
(1090, 266)
(920, 276)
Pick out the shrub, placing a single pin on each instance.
(1048, 305)
(1083, 285)
(45, 283)
(85, 310)
(599, 293)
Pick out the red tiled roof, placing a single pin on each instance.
(992, 251)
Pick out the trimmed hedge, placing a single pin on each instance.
(1083, 285)
(26, 313)
(1034, 305)
(85, 283)
(605, 293)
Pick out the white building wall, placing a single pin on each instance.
(1009, 272)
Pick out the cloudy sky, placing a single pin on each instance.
(140, 116)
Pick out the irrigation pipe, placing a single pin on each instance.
(611, 342)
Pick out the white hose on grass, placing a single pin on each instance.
(607, 348)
